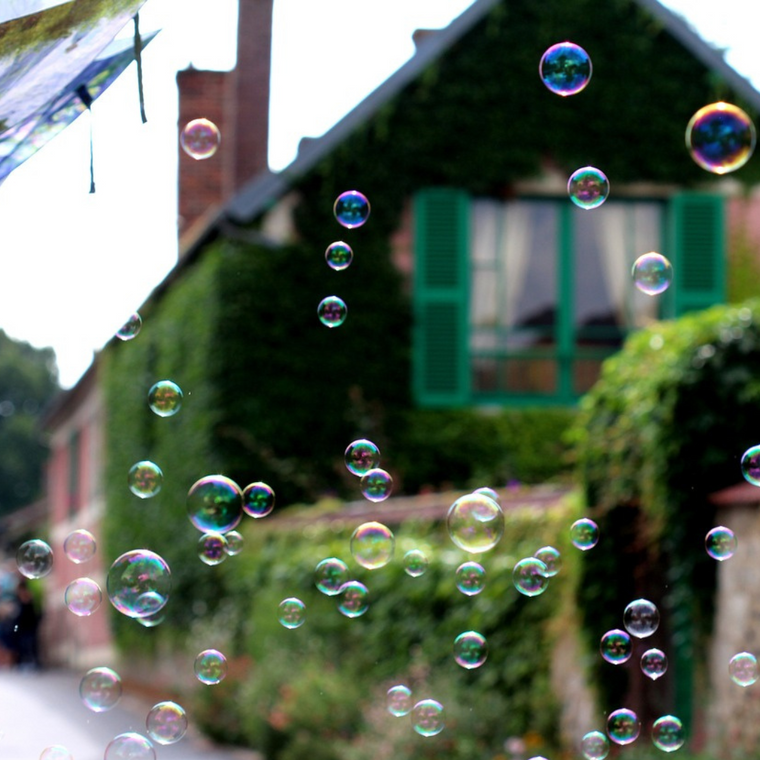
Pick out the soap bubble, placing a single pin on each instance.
(668, 734)
(471, 578)
(139, 583)
(616, 646)
(720, 543)
(34, 558)
(641, 618)
(427, 717)
(372, 545)
(130, 746)
(489, 492)
(130, 328)
(100, 689)
(470, 649)
(83, 596)
(623, 726)
(292, 613)
(145, 479)
(376, 485)
(165, 398)
(351, 209)
(565, 68)
(234, 543)
(399, 700)
(330, 575)
(354, 599)
(584, 534)
(588, 187)
(361, 456)
(56, 752)
(166, 722)
(475, 523)
(339, 256)
(79, 546)
(551, 558)
(210, 666)
(654, 663)
(751, 465)
(332, 311)
(415, 563)
(200, 138)
(529, 576)
(720, 138)
(215, 504)
(743, 669)
(595, 746)
(258, 499)
(652, 273)
(212, 548)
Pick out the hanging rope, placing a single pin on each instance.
(138, 58)
(86, 99)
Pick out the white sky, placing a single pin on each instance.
(75, 265)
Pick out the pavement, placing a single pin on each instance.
(41, 708)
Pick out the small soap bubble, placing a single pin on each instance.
(623, 726)
(595, 746)
(720, 543)
(130, 746)
(641, 618)
(475, 523)
(215, 504)
(652, 273)
(210, 666)
(83, 596)
(399, 700)
(79, 546)
(212, 548)
(145, 479)
(372, 545)
(551, 558)
(332, 311)
(565, 68)
(130, 328)
(588, 187)
(361, 456)
(330, 575)
(234, 543)
(200, 138)
(292, 613)
(166, 722)
(139, 583)
(471, 578)
(339, 256)
(529, 576)
(743, 669)
(720, 138)
(470, 649)
(668, 734)
(584, 534)
(376, 485)
(34, 558)
(654, 663)
(415, 563)
(427, 717)
(354, 599)
(100, 689)
(616, 646)
(56, 752)
(165, 398)
(351, 209)
(751, 465)
(258, 499)
(489, 492)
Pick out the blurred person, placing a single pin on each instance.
(26, 625)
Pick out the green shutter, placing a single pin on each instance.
(441, 372)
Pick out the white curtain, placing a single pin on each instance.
(645, 237)
(513, 253)
(611, 230)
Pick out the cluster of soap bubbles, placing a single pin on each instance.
(362, 458)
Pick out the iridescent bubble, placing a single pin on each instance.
(212, 548)
(489, 492)
(376, 485)
(470, 649)
(584, 534)
(654, 663)
(234, 543)
(361, 456)
(641, 618)
(100, 689)
(351, 209)
(588, 187)
(83, 596)
(165, 398)
(332, 311)
(210, 666)
(427, 717)
(529, 576)
(145, 479)
(551, 558)
(200, 138)
(166, 722)
(595, 746)
(652, 273)
(399, 700)
(668, 734)
(616, 646)
(139, 583)
(56, 752)
(339, 256)
(372, 545)
(130, 328)
(475, 523)
(79, 546)
(471, 578)
(215, 504)
(720, 138)
(565, 68)
(330, 575)
(751, 465)
(258, 499)
(415, 563)
(292, 613)
(354, 599)
(34, 558)
(720, 543)
(743, 669)
(130, 746)
(623, 726)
